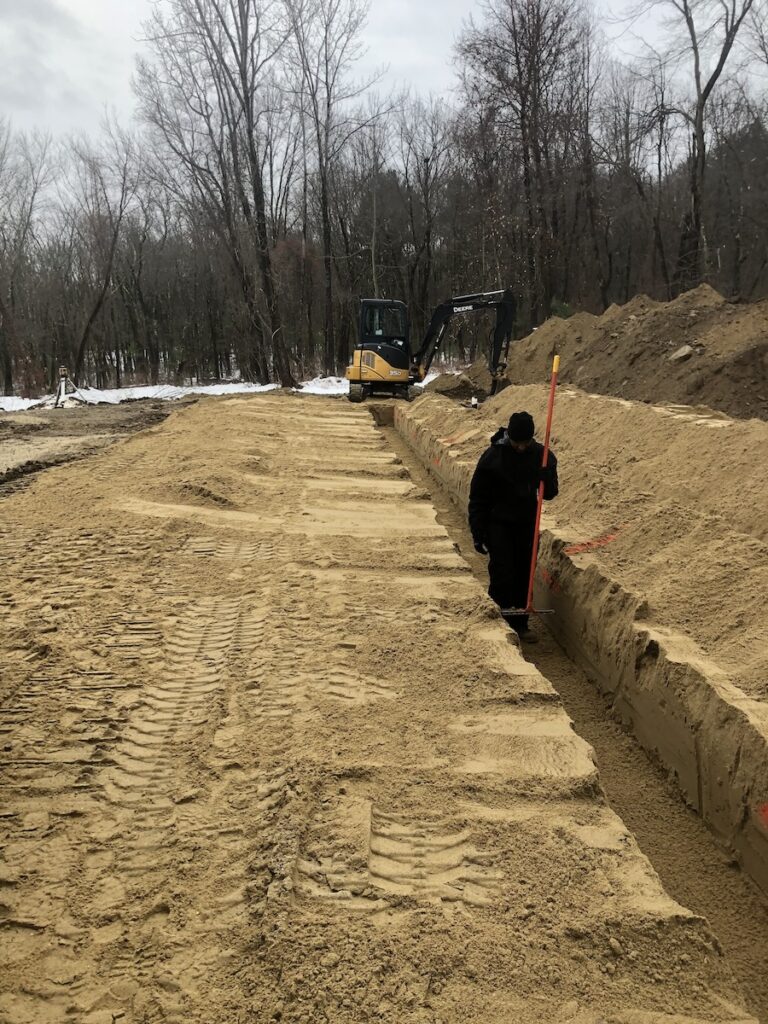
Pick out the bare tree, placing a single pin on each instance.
(424, 155)
(326, 46)
(281, 158)
(361, 205)
(24, 172)
(145, 239)
(707, 26)
(758, 29)
(636, 140)
(101, 185)
(522, 58)
(373, 143)
(205, 93)
(737, 193)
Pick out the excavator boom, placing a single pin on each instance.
(506, 308)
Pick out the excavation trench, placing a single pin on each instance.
(655, 569)
(694, 865)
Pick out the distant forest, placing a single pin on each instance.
(267, 185)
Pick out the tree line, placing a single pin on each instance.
(267, 185)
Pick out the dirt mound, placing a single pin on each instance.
(697, 349)
(703, 297)
(193, 491)
(473, 382)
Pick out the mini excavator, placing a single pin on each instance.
(382, 362)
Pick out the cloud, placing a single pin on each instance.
(59, 68)
(63, 61)
(44, 15)
(416, 42)
(30, 81)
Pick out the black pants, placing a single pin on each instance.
(510, 547)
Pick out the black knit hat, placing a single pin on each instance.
(520, 427)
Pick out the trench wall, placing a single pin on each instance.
(681, 707)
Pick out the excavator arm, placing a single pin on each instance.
(506, 307)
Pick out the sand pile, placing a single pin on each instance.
(697, 349)
(476, 380)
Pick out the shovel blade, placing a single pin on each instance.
(527, 611)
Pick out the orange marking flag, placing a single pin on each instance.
(590, 545)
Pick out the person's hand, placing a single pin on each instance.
(480, 548)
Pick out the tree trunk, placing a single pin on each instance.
(689, 272)
(279, 355)
(329, 346)
(7, 345)
(534, 304)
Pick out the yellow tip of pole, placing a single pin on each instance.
(556, 364)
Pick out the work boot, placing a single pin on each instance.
(527, 636)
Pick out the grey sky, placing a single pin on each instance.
(62, 62)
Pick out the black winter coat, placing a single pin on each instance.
(505, 485)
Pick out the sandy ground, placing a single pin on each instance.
(271, 756)
(30, 441)
(689, 859)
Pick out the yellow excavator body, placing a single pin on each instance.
(369, 371)
(371, 367)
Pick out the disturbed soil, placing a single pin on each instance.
(31, 441)
(668, 500)
(271, 756)
(690, 861)
(697, 349)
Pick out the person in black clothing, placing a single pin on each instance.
(502, 511)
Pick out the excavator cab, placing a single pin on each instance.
(382, 357)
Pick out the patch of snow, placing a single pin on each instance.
(113, 396)
(11, 404)
(166, 392)
(324, 386)
(340, 386)
(170, 393)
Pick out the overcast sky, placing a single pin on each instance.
(63, 61)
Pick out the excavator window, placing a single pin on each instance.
(385, 322)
